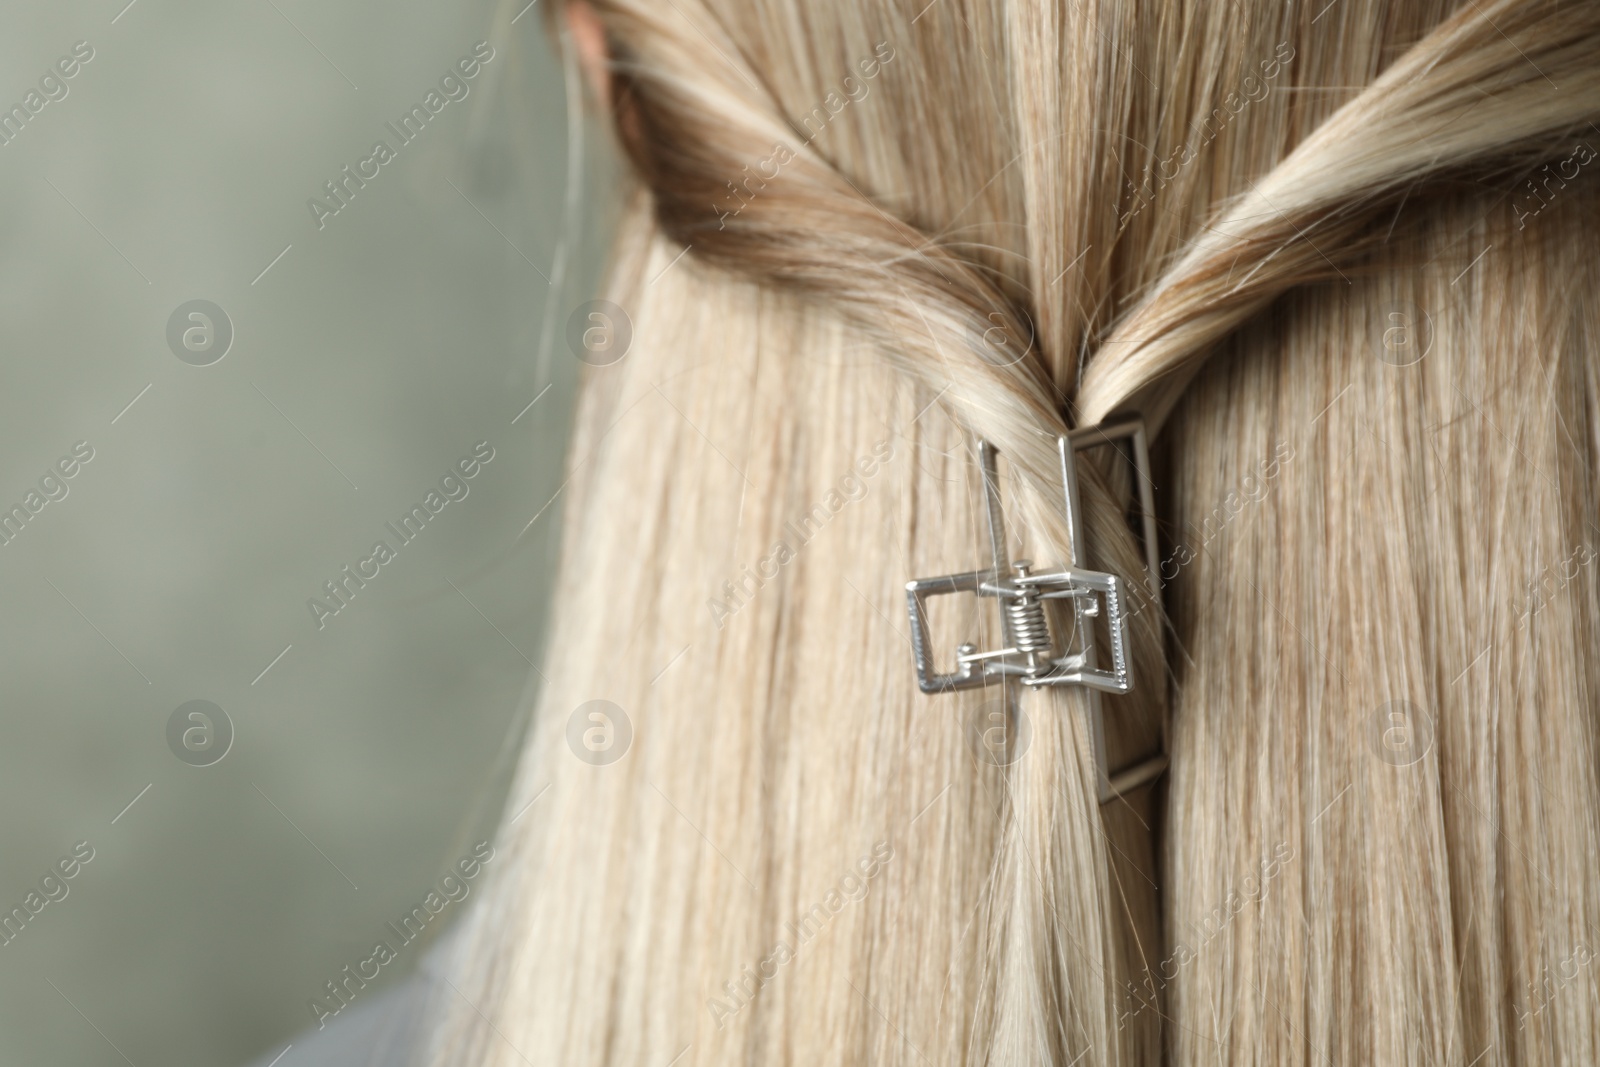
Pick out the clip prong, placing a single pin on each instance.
(1028, 652)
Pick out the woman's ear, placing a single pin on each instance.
(589, 39)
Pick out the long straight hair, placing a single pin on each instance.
(1344, 258)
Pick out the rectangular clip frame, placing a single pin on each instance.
(1028, 642)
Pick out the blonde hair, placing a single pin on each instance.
(1343, 259)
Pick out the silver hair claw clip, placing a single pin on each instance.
(1031, 653)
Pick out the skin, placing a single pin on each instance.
(589, 38)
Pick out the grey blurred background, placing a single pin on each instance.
(367, 357)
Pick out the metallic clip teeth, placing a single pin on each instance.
(1031, 653)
